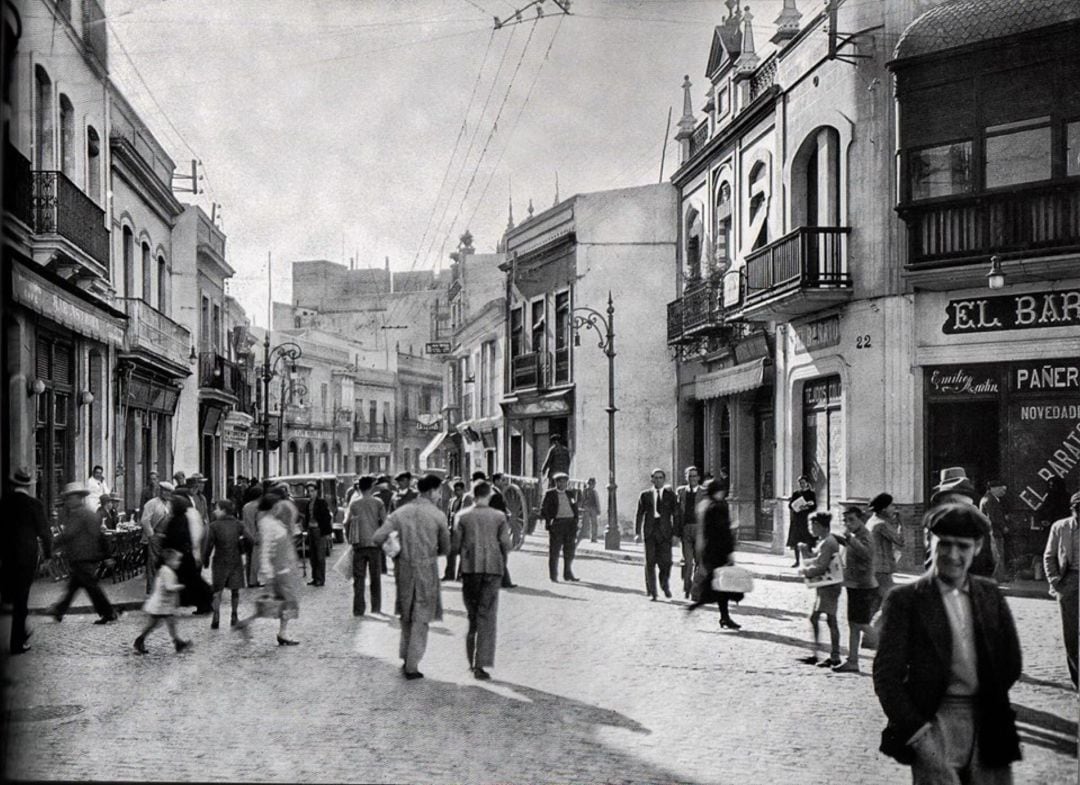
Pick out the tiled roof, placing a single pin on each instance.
(961, 22)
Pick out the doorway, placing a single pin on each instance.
(962, 433)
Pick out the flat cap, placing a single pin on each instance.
(560, 475)
(958, 520)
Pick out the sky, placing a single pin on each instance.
(332, 129)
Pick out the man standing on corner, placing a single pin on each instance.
(1061, 559)
(990, 505)
(656, 511)
(560, 513)
(687, 498)
(948, 655)
(482, 537)
(320, 524)
(421, 527)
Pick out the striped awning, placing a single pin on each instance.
(730, 381)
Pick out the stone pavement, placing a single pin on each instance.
(592, 683)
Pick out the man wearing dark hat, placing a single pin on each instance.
(990, 505)
(82, 541)
(955, 487)
(405, 492)
(1061, 559)
(887, 538)
(26, 526)
(947, 657)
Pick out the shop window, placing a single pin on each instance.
(43, 119)
(944, 170)
(823, 438)
(693, 244)
(1072, 148)
(1018, 153)
(67, 137)
(93, 164)
(53, 437)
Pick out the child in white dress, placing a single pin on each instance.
(162, 603)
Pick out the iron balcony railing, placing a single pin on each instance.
(1027, 221)
(698, 310)
(60, 207)
(150, 330)
(218, 373)
(811, 257)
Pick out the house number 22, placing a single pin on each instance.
(862, 341)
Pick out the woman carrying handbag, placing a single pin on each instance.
(715, 547)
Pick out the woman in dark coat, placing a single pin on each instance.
(715, 546)
(179, 537)
(806, 501)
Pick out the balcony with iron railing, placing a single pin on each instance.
(59, 207)
(804, 271)
(1037, 223)
(698, 311)
(220, 375)
(154, 335)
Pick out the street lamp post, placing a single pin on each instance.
(272, 358)
(605, 328)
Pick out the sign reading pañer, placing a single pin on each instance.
(1013, 312)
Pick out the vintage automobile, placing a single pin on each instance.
(334, 489)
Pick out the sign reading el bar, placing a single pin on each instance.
(1013, 312)
(438, 347)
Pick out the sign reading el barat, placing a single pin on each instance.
(1013, 312)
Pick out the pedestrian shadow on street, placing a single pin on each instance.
(1058, 685)
(768, 613)
(612, 589)
(526, 591)
(770, 637)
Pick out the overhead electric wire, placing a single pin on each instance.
(517, 120)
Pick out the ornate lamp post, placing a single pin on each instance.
(287, 352)
(605, 328)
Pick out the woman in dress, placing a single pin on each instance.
(183, 533)
(715, 547)
(278, 566)
(802, 503)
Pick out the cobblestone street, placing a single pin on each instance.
(592, 683)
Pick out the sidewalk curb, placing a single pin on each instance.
(1026, 592)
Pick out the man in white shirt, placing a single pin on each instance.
(947, 656)
(97, 487)
(155, 515)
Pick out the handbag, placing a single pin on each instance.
(732, 580)
(392, 546)
(833, 575)
(267, 607)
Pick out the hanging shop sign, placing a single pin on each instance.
(234, 436)
(1013, 312)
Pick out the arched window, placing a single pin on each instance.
(338, 465)
(128, 254)
(309, 458)
(758, 192)
(93, 164)
(723, 225)
(815, 180)
(693, 244)
(147, 274)
(43, 119)
(324, 458)
(67, 136)
(163, 286)
(294, 467)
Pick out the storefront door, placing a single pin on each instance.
(823, 439)
(53, 437)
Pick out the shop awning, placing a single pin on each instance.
(432, 446)
(729, 381)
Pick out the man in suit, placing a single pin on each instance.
(457, 504)
(956, 487)
(560, 513)
(655, 520)
(947, 657)
(25, 527)
(1062, 562)
(992, 507)
(496, 502)
(557, 460)
(687, 498)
